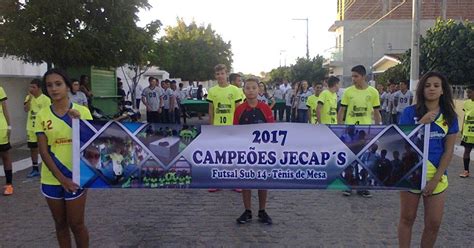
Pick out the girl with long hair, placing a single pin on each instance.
(66, 200)
(435, 106)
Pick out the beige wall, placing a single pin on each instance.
(357, 49)
(16, 89)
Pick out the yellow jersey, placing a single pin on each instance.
(329, 109)
(360, 104)
(468, 127)
(36, 104)
(224, 100)
(58, 130)
(312, 104)
(3, 120)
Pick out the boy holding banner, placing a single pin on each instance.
(361, 101)
(223, 99)
(327, 103)
(253, 111)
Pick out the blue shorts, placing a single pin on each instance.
(57, 192)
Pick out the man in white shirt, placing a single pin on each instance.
(402, 98)
(285, 86)
(278, 95)
(138, 95)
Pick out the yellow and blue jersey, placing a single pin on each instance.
(438, 131)
(58, 130)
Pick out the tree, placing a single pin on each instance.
(279, 74)
(70, 33)
(141, 55)
(191, 51)
(447, 47)
(397, 73)
(308, 69)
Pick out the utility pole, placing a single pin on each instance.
(307, 33)
(282, 51)
(443, 8)
(415, 45)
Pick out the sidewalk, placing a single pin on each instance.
(185, 218)
(196, 218)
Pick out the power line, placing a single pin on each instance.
(376, 21)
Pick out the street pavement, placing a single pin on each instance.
(197, 218)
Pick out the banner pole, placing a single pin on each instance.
(426, 148)
(76, 156)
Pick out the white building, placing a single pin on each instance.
(392, 35)
(15, 77)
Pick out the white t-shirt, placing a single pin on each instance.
(288, 98)
(302, 98)
(403, 100)
(263, 98)
(384, 100)
(152, 97)
(167, 94)
(178, 96)
(278, 94)
(284, 88)
(138, 91)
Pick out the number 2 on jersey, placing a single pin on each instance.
(47, 125)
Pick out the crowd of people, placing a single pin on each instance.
(50, 133)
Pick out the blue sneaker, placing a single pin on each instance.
(34, 173)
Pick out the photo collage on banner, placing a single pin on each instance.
(134, 155)
(387, 156)
(338, 157)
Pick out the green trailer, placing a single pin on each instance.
(103, 83)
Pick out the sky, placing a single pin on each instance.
(262, 33)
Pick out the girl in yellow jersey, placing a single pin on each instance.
(468, 130)
(54, 131)
(5, 129)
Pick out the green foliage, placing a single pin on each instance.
(304, 69)
(396, 73)
(308, 69)
(280, 73)
(191, 51)
(448, 47)
(74, 32)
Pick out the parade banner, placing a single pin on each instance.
(260, 156)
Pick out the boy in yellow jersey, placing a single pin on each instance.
(359, 102)
(236, 80)
(223, 100)
(312, 102)
(5, 147)
(54, 131)
(327, 102)
(468, 130)
(33, 103)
